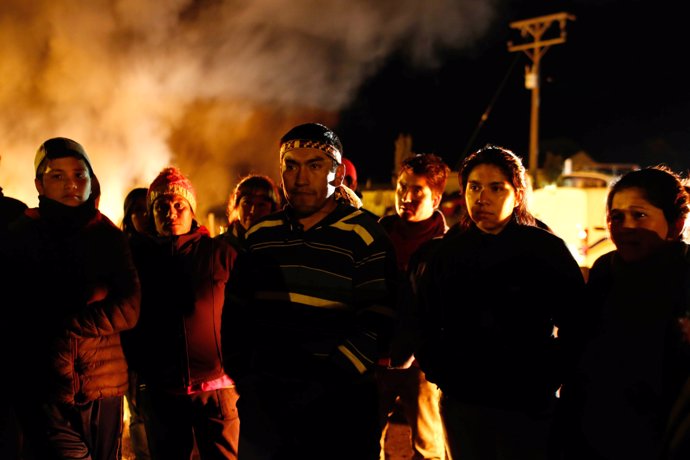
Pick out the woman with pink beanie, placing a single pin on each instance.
(186, 394)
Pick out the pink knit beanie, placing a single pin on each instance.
(171, 182)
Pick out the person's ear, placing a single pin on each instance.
(519, 197)
(437, 201)
(675, 231)
(339, 176)
(39, 186)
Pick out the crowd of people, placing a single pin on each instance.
(297, 332)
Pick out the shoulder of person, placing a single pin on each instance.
(101, 219)
(372, 213)
(26, 218)
(224, 244)
(230, 239)
(11, 207)
(426, 250)
(359, 222)
(271, 221)
(603, 266)
(540, 234)
(388, 219)
(358, 216)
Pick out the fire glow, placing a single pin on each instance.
(207, 85)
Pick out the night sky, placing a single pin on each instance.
(615, 89)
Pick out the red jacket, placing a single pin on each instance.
(177, 341)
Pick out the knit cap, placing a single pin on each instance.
(171, 182)
(59, 147)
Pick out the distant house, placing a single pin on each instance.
(581, 161)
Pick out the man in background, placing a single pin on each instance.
(421, 181)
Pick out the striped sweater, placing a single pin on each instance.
(315, 296)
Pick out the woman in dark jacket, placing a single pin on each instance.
(73, 289)
(492, 295)
(636, 360)
(176, 348)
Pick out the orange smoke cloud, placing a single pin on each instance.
(207, 85)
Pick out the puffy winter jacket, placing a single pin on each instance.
(72, 289)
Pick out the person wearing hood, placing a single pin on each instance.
(72, 289)
(186, 394)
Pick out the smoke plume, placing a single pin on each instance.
(207, 85)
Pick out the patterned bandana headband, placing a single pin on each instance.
(328, 149)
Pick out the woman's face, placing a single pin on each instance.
(490, 198)
(139, 214)
(252, 207)
(638, 228)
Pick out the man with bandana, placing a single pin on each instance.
(314, 296)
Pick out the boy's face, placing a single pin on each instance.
(65, 180)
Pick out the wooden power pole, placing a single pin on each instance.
(536, 28)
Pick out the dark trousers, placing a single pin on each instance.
(174, 422)
(475, 432)
(137, 429)
(286, 419)
(91, 431)
(10, 434)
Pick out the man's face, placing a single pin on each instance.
(414, 200)
(308, 179)
(172, 215)
(65, 180)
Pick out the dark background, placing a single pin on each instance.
(616, 89)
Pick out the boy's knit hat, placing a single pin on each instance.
(171, 182)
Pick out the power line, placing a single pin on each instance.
(487, 112)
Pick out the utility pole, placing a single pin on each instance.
(535, 50)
